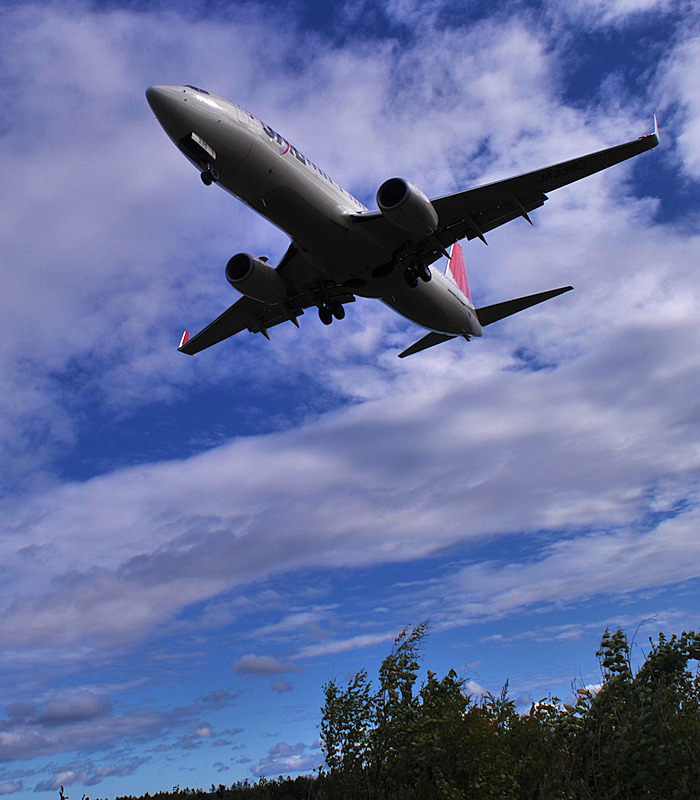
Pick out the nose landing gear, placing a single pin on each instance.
(209, 176)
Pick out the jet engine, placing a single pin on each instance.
(405, 206)
(256, 279)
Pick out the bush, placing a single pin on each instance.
(637, 737)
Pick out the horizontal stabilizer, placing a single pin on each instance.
(489, 314)
(427, 341)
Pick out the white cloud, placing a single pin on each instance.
(198, 732)
(23, 739)
(611, 563)
(680, 89)
(471, 455)
(263, 665)
(602, 13)
(74, 707)
(87, 774)
(476, 690)
(283, 759)
(343, 645)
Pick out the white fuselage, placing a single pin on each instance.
(264, 171)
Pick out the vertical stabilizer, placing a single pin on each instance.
(458, 271)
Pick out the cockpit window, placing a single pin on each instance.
(202, 91)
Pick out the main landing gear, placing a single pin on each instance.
(328, 311)
(209, 176)
(417, 272)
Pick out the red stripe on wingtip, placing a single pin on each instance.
(185, 339)
(458, 269)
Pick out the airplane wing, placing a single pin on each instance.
(258, 317)
(472, 213)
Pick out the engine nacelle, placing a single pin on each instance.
(405, 206)
(255, 278)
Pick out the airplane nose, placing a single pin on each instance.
(160, 99)
(166, 102)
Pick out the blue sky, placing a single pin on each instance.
(191, 547)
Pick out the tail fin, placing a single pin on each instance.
(458, 271)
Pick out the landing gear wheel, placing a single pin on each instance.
(209, 176)
(325, 315)
(424, 272)
(411, 277)
(337, 310)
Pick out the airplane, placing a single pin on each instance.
(340, 249)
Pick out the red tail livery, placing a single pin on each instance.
(458, 271)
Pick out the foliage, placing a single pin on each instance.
(301, 788)
(637, 736)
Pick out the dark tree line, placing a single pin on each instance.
(636, 738)
(303, 787)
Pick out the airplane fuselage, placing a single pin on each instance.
(259, 167)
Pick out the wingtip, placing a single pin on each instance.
(655, 139)
(183, 341)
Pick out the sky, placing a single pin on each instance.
(192, 547)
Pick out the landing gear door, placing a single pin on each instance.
(197, 150)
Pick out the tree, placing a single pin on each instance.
(637, 737)
(348, 719)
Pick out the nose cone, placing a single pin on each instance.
(161, 99)
(169, 104)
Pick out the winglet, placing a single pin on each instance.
(653, 136)
(184, 340)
